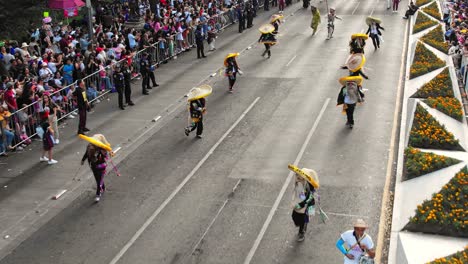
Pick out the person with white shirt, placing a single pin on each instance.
(375, 34)
(45, 73)
(356, 244)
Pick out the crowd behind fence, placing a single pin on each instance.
(23, 124)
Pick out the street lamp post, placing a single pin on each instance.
(90, 19)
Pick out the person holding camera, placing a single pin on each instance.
(356, 245)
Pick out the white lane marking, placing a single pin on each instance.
(291, 60)
(117, 150)
(252, 251)
(214, 219)
(347, 215)
(179, 187)
(156, 118)
(372, 12)
(356, 8)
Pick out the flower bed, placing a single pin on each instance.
(427, 132)
(441, 85)
(424, 61)
(447, 212)
(447, 105)
(423, 22)
(435, 38)
(422, 2)
(433, 11)
(418, 163)
(458, 258)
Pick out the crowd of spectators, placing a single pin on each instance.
(455, 16)
(58, 54)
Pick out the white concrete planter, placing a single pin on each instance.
(409, 247)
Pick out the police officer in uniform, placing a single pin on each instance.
(127, 80)
(144, 70)
(119, 81)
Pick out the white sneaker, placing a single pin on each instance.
(97, 199)
(43, 159)
(57, 141)
(52, 161)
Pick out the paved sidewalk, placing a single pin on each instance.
(27, 185)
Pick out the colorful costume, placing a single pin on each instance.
(197, 108)
(315, 19)
(268, 37)
(232, 68)
(331, 23)
(97, 154)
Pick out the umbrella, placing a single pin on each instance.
(359, 35)
(267, 28)
(65, 4)
(97, 140)
(355, 62)
(344, 80)
(370, 19)
(308, 174)
(199, 92)
(230, 55)
(275, 17)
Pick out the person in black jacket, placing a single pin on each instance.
(197, 110)
(119, 82)
(232, 68)
(199, 37)
(144, 70)
(128, 86)
(374, 33)
(82, 103)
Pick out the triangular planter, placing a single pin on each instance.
(423, 22)
(440, 85)
(433, 10)
(450, 106)
(424, 61)
(444, 213)
(421, 3)
(418, 163)
(435, 39)
(427, 132)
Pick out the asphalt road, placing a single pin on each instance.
(188, 200)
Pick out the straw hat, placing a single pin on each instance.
(360, 223)
(230, 55)
(356, 79)
(24, 45)
(275, 17)
(370, 19)
(267, 28)
(199, 92)
(359, 35)
(355, 62)
(308, 174)
(97, 140)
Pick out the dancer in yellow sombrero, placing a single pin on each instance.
(355, 65)
(267, 38)
(357, 43)
(97, 153)
(350, 94)
(197, 108)
(374, 30)
(232, 68)
(303, 200)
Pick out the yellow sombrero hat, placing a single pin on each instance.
(359, 35)
(97, 140)
(199, 92)
(308, 174)
(275, 17)
(230, 55)
(344, 80)
(355, 62)
(370, 19)
(267, 28)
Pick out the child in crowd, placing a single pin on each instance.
(48, 144)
